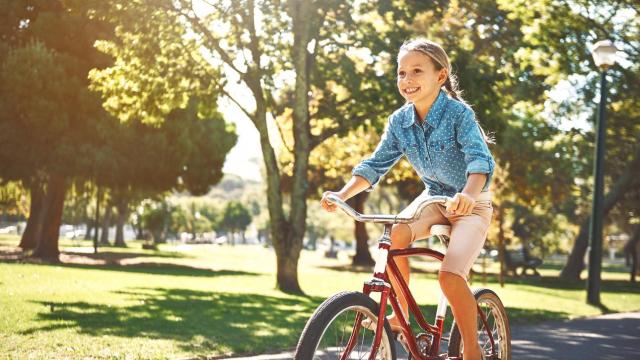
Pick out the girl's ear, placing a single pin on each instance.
(442, 76)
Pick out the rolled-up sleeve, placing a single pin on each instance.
(386, 154)
(477, 156)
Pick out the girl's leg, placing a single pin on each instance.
(402, 235)
(465, 311)
(468, 234)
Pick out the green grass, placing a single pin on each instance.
(185, 302)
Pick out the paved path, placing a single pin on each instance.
(607, 337)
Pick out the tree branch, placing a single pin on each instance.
(284, 141)
(250, 116)
(196, 21)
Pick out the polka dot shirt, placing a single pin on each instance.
(444, 149)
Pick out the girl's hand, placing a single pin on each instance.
(326, 204)
(462, 204)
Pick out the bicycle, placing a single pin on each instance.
(335, 330)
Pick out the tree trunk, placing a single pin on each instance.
(631, 252)
(47, 248)
(139, 230)
(90, 227)
(123, 214)
(575, 263)
(288, 235)
(30, 235)
(362, 256)
(106, 222)
(287, 271)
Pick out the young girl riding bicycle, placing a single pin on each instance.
(438, 133)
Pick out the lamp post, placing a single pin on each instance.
(604, 56)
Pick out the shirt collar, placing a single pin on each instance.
(433, 117)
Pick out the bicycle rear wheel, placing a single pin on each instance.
(327, 333)
(498, 323)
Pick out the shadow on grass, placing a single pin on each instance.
(152, 268)
(160, 268)
(116, 256)
(201, 322)
(204, 323)
(123, 262)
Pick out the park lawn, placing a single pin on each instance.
(203, 300)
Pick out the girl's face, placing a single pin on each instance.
(418, 79)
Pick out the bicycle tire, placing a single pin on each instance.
(327, 314)
(500, 327)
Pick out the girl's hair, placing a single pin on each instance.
(440, 60)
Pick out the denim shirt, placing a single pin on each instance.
(444, 149)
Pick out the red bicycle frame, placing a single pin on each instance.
(380, 283)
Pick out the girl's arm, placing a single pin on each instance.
(353, 187)
(480, 163)
(463, 202)
(368, 173)
(475, 183)
(472, 143)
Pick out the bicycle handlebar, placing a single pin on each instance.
(393, 219)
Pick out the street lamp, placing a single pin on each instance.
(604, 56)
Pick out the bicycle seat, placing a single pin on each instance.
(443, 230)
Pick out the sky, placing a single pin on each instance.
(245, 159)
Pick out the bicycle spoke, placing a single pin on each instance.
(334, 343)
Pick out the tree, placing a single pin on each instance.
(82, 140)
(45, 109)
(156, 218)
(24, 109)
(254, 50)
(563, 28)
(235, 218)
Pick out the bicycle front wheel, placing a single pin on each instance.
(498, 325)
(327, 333)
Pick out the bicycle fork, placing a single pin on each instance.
(378, 283)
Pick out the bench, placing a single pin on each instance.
(515, 259)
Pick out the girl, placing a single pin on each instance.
(437, 132)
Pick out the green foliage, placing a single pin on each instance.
(156, 217)
(194, 219)
(13, 200)
(235, 218)
(35, 88)
(77, 204)
(158, 65)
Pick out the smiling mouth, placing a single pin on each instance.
(411, 91)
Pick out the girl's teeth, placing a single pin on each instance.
(411, 90)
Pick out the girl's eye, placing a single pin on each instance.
(401, 74)
(417, 71)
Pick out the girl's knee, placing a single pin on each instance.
(449, 280)
(443, 276)
(400, 236)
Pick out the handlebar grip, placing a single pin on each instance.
(333, 198)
